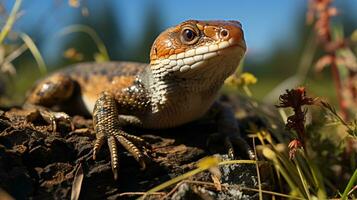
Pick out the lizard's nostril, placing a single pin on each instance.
(224, 33)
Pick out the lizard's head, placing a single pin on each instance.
(208, 51)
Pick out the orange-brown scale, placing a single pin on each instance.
(121, 87)
(86, 81)
(96, 84)
(51, 90)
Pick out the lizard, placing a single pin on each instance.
(188, 65)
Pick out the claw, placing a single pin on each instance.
(114, 156)
(229, 147)
(137, 140)
(127, 141)
(129, 146)
(243, 146)
(54, 117)
(97, 145)
(251, 155)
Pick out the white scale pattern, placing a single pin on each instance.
(183, 62)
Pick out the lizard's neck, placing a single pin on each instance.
(175, 101)
(167, 92)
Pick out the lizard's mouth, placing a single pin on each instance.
(207, 56)
(222, 57)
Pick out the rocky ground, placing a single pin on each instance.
(37, 163)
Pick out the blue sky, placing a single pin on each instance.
(265, 22)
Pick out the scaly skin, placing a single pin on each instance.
(188, 65)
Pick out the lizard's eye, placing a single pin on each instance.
(189, 36)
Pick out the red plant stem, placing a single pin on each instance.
(351, 85)
(338, 86)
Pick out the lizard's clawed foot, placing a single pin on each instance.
(234, 146)
(229, 133)
(239, 143)
(135, 145)
(107, 127)
(55, 117)
(52, 117)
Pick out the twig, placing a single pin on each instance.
(140, 193)
(173, 190)
(258, 172)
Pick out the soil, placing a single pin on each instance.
(38, 163)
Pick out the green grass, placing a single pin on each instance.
(317, 88)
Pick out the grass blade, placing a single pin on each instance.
(193, 172)
(303, 180)
(10, 21)
(95, 37)
(35, 52)
(352, 181)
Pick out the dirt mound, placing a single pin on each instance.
(39, 163)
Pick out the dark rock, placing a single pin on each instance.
(14, 177)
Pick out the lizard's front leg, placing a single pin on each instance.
(107, 127)
(229, 129)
